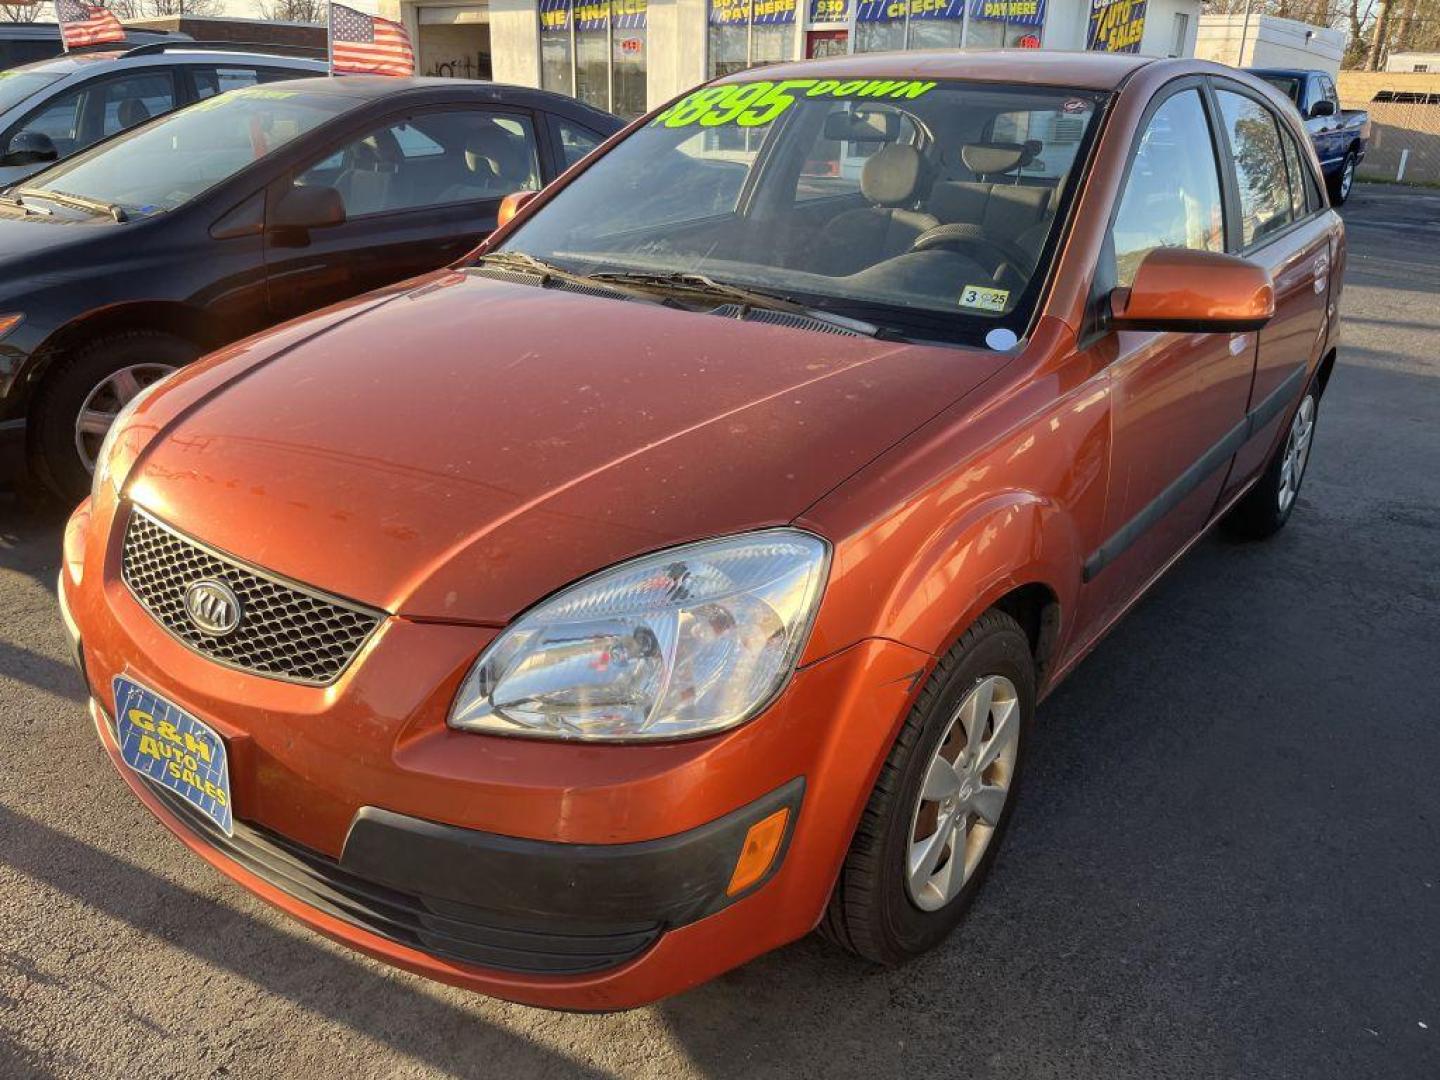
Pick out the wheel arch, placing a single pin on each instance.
(180, 320)
(1324, 370)
(1017, 551)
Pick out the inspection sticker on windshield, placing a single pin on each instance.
(167, 745)
(984, 298)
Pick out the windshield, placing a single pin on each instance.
(925, 208)
(16, 86)
(168, 162)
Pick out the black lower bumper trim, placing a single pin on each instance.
(673, 881)
(500, 902)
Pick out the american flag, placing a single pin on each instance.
(86, 24)
(362, 44)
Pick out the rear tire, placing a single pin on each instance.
(888, 906)
(97, 379)
(1268, 505)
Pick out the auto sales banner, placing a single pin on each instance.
(1015, 12)
(738, 12)
(593, 15)
(886, 10)
(554, 16)
(1116, 26)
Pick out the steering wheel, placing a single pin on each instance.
(972, 236)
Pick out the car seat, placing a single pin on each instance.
(894, 180)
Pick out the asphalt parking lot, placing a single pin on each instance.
(1227, 864)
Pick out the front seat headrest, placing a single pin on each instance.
(895, 176)
(994, 158)
(504, 155)
(132, 111)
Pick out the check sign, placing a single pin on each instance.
(166, 744)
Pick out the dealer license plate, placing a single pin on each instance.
(178, 751)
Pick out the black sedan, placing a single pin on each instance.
(141, 254)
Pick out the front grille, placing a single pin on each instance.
(285, 632)
(443, 928)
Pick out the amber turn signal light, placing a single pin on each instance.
(9, 322)
(758, 851)
(512, 204)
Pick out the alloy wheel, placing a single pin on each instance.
(966, 786)
(1347, 178)
(104, 402)
(1297, 452)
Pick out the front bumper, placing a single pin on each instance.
(581, 877)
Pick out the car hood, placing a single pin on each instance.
(23, 235)
(465, 447)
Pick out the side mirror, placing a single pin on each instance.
(1176, 289)
(1323, 107)
(512, 204)
(310, 207)
(30, 148)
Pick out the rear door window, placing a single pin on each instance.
(575, 141)
(210, 81)
(431, 159)
(1259, 162)
(1298, 172)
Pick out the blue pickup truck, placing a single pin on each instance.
(1339, 135)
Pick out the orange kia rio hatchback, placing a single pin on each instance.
(681, 572)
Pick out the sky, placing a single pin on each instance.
(249, 9)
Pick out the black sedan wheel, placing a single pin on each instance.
(80, 400)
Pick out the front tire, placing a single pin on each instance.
(1268, 505)
(81, 396)
(941, 804)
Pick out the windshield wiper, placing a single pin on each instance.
(547, 272)
(98, 206)
(700, 285)
(9, 198)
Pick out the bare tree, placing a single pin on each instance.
(157, 9)
(301, 11)
(24, 12)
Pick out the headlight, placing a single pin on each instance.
(684, 642)
(109, 470)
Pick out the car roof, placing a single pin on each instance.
(1031, 67)
(422, 89)
(72, 63)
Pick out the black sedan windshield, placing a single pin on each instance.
(929, 208)
(168, 162)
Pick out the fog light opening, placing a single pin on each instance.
(758, 851)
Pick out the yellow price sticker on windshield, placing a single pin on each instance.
(755, 104)
(984, 298)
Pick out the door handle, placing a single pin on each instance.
(1239, 343)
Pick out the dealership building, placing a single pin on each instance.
(632, 55)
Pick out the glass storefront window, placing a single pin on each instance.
(883, 25)
(1005, 24)
(596, 52)
(745, 33)
(627, 72)
(557, 55)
